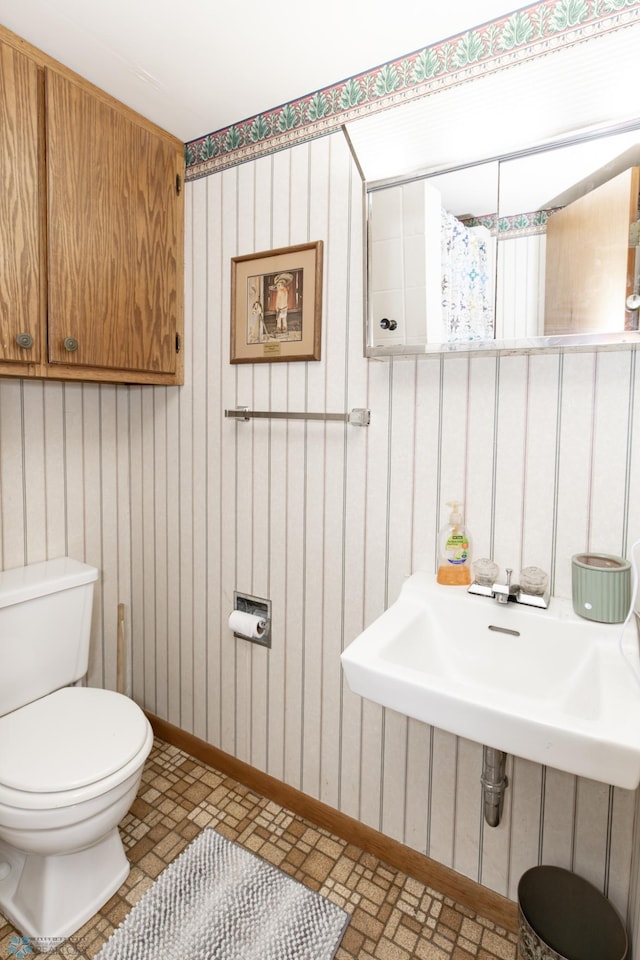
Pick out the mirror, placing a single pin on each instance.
(522, 169)
(534, 246)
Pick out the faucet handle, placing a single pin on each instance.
(485, 571)
(534, 581)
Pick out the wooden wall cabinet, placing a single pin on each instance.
(92, 230)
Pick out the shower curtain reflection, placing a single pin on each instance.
(467, 312)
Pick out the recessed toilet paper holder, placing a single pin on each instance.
(257, 607)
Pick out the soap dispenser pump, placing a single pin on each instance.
(454, 550)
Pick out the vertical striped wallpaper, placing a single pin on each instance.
(179, 506)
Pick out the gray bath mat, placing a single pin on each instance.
(217, 901)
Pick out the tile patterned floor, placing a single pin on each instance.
(393, 917)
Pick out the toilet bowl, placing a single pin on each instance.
(71, 757)
(70, 767)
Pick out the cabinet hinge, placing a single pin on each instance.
(178, 184)
(178, 343)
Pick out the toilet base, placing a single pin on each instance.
(48, 898)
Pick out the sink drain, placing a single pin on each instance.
(512, 633)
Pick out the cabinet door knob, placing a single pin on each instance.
(24, 340)
(388, 324)
(70, 344)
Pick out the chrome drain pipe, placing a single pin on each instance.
(494, 783)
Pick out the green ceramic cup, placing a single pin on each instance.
(601, 587)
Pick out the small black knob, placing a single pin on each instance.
(388, 324)
(24, 340)
(70, 344)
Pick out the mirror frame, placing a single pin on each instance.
(492, 347)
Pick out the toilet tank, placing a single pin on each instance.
(45, 627)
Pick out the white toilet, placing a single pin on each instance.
(71, 757)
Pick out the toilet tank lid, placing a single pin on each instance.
(40, 579)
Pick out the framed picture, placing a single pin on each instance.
(276, 305)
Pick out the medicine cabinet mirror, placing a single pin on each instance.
(510, 221)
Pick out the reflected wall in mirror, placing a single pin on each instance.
(537, 245)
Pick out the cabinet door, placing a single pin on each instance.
(589, 264)
(113, 234)
(20, 198)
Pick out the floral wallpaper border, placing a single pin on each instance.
(537, 29)
(516, 225)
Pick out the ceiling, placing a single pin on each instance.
(544, 101)
(195, 66)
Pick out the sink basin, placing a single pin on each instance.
(545, 685)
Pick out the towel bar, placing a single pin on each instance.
(359, 417)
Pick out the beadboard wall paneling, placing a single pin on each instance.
(520, 287)
(65, 490)
(179, 506)
(327, 521)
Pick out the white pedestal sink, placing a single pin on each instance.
(545, 685)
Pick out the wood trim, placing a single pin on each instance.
(65, 373)
(481, 900)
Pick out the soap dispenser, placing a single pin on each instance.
(454, 550)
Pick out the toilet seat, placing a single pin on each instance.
(69, 746)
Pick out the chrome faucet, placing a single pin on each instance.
(531, 591)
(503, 592)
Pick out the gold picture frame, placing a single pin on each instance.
(276, 305)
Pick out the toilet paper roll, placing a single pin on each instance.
(247, 624)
